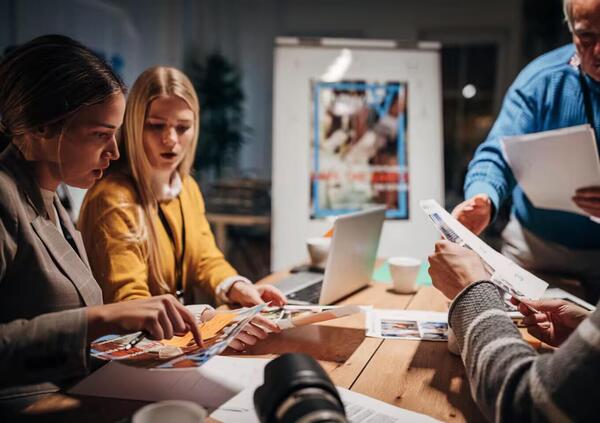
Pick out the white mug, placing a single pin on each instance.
(318, 250)
(170, 411)
(404, 272)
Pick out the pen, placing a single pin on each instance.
(135, 341)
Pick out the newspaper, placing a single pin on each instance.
(507, 275)
(180, 351)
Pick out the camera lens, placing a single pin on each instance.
(297, 390)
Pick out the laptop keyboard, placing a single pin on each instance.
(309, 294)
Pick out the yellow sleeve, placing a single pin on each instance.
(210, 265)
(110, 231)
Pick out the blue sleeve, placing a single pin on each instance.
(488, 172)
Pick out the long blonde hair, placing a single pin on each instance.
(153, 83)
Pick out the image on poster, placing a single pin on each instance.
(358, 151)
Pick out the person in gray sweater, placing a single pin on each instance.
(509, 380)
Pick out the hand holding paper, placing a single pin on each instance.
(456, 266)
(551, 166)
(508, 276)
(588, 200)
(475, 213)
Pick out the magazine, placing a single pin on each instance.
(179, 351)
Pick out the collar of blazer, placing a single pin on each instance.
(73, 263)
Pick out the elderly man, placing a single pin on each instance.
(509, 381)
(559, 89)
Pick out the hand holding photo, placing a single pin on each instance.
(179, 351)
(507, 275)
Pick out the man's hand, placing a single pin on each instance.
(588, 199)
(452, 268)
(158, 317)
(556, 319)
(249, 295)
(475, 213)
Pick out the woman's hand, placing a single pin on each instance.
(258, 328)
(158, 317)
(452, 268)
(475, 213)
(555, 320)
(588, 199)
(249, 295)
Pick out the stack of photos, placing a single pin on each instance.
(178, 352)
(406, 324)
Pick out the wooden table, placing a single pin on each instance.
(419, 376)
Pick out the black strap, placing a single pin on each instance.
(179, 292)
(587, 100)
(68, 236)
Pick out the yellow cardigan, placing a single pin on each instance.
(110, 215)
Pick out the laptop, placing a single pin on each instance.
(349, 265)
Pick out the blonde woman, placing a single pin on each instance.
(144, 224)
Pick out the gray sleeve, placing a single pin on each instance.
(49, 348)
(512, 382)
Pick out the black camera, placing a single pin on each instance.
(297, 389)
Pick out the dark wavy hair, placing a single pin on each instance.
(47, 80)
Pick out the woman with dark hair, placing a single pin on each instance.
(60, 107)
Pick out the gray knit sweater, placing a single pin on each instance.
(509, 380)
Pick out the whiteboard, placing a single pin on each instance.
(297, 65)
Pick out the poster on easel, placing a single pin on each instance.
(358, 149)
(356, 124)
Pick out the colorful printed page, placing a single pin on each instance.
(179, 352)
(407, 324)
(208, 330)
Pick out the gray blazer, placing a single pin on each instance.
(44, 283)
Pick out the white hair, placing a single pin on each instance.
(568, 15)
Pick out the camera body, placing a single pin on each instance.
(297, 390)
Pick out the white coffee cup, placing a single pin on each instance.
(318, 250)
(404, 272)
(170, 411)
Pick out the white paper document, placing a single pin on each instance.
(359, 409)
(210, 385)
(407, 324)
(504, 273)
(551, 165)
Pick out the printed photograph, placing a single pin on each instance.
(407, 329)
(434, 331)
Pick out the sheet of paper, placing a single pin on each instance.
(210, 385)
(551, 165)
(359, 409)
(503, 272)
(407, 324)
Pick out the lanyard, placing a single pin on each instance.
(179, 259)
(587, 100)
